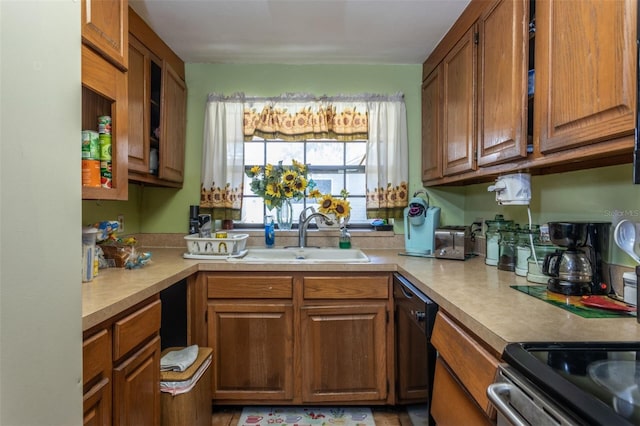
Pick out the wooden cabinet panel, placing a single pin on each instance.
(502, 83)
(136, 381)
(472, 364)
(451, 405)
(173, 119)
(459, 106)
(344, 352)
(105, 26)
(96, 404)
(585, 72)
(96, 378)
(139, 87)
(346, 287)
(432, 126)
(259, 286)
(134, 329)
(253, 350)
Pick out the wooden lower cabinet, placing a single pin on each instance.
(300, 338)
(136, 381)
(343, 349)
(253, 350)
(96, 378)
(451, 404)
(464, 370)
(121, 368)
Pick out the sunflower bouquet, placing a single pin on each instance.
(277, 183)
(340, 207)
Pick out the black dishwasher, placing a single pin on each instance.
(415, 314)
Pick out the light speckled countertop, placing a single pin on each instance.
(475, 294)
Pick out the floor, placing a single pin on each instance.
(383, 416)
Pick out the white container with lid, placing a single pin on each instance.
(89, 236)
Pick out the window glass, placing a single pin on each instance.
(333, 166)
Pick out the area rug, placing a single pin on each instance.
(303, 416)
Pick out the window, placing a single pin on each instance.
(333, 166)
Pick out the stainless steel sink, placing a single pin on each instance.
(302, 255)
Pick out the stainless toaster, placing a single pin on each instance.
(453, 242)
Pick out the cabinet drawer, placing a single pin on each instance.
(134, 329)
(250, 286)
(341, 287)
(451, 404)
(474, 366)
(96, 356)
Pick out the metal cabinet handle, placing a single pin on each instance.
(497, 393)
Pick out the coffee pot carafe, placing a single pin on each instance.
(580, 268)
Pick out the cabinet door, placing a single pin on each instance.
(344, 352)
(139, 88)
(96, 404)
(459, 106)
(105, 27)
(585, 72)
(432, 126)
(253, 350)
(172, 122)
(502, 83)
(451, 404)
(136, 399)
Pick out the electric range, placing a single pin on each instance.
(568, 377)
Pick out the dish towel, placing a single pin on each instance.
(179, 360)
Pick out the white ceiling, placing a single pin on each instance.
(301, 31)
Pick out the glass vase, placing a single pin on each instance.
(284, 215)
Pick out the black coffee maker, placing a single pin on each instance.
(580, 268)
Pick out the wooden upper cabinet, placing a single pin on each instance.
(432, 126)
(585, 72)
(459, 106)
(502, 82)
(139, 87)
(173, 119)
(105, 26)
(157, 113)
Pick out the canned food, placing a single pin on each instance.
(90, 145)
(105, 147)
(104, 124)
(91, 173)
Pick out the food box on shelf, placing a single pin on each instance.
(219, 246)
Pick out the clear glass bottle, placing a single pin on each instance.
(492, 236)
(523, 250)
(507, 249)
(345, 239)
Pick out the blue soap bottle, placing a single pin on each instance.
(269, 231)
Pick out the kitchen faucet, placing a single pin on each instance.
(304, 224)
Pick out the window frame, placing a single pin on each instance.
(344, 170)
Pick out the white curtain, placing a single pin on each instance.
(387, 162)
(223, 156)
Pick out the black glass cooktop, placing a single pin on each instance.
(598, 382)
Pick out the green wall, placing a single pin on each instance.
(152, 210)
(586, 195)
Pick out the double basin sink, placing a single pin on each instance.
(301, 255)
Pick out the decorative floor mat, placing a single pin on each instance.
(303, 416)
(570, 303)
(419, 414)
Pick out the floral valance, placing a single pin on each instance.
(295, 117)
